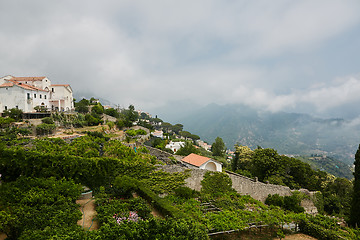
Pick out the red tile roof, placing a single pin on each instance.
(7, 84)
(28, 78)
(59, 85)
(25, 86)
(195, 159)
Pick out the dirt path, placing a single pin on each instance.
(87, 207)
(2, 236)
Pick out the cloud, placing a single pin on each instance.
(342, 92)
(148, 53)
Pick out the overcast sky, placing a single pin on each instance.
(278, 55)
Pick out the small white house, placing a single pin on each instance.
(175, 146)
(159, 134)
(203, 162)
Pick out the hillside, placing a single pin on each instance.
(328, 164)
(289, 133)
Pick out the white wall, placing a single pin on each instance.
(212, 166)
(62, 97)
(18, 96)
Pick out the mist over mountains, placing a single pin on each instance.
(288, 133)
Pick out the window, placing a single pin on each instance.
(17, 107)
(40, 96)
(34, 95)
(28, 95)
(44, 96)
(52, 89)
(5, 107)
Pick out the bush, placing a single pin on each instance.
(317, 231)
(44, 129)
(291, 203)
(47, 120)
(128, 184)
(14, 113)
(216, 184)
(185, 192)
(275, 200)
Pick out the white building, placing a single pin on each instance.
(26, 93)
(159, 134)
(204, 145)
(175, 146)
(203, 162)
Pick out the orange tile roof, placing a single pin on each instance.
(25, 86)
(59, 85)
(195, 159)
(28, 78)
(7, 84)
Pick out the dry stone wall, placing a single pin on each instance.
(242, 185)
(255, 189)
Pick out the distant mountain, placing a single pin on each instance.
(288, 133)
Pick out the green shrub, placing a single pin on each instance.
(291, 203)
(317, 231)
(275, 200)
(216, 184)
(44, 129)
(185, 192)
(47, 120)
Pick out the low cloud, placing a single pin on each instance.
(150, 53)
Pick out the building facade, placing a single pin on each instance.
(26, 93)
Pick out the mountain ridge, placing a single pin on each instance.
(289, 133)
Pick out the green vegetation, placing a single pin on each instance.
(42, 178)
(334, 194)
(37, 207)
(14, 113)
(328, 164)
(268, 165)
(218, 147)
(45, 129)
(290, 203)
(355, 205)
(187, 149)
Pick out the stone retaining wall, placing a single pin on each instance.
(243, 185)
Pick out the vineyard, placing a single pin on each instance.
(42, 179)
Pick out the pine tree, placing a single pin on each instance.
(355, 207)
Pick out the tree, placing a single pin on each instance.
(187, 149)
(112, 112)
(82, 106)
(242, 159)
(166, 126)
(5, 122)
(218, 147)
(98, 109)
(41, 109)
(177, 128)
(129, 116)
(265, 163)
(216, 183)
(235, 161)
(13, 113)
(355, 207)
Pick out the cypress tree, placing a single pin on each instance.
(235, 161)
(355, 207)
